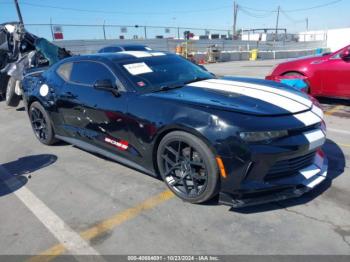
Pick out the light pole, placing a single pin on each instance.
(235, 15)
(277, 21)
(104, 29)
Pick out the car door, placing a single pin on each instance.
(93, 115)
(335, 77)
(68, 104)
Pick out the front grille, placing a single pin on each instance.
(290, 167)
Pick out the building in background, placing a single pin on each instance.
(335, 38)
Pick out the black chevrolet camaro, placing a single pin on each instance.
(251, 141)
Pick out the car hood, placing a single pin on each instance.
(247, 96)
(316, 59)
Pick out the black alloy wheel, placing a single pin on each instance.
(188, 167)
(41, 124)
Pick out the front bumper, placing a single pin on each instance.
(297, 82)
(283, 188)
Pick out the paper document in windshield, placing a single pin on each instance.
(138, 68)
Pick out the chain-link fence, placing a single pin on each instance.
(198, 46)
(127, 32)
(84, 39)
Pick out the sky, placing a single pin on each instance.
(213, 14)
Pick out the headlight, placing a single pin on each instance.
(262, 136)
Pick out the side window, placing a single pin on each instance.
(337, 56)
(64, 71)
(87, 73)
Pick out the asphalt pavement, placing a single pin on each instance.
(62, 200)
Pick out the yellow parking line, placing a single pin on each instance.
(333, 110)
(126, 215)
(106, 225)
(49, 254)
(344, 145)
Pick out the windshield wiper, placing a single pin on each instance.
(180, 85)
(170, 87)
(197, 79)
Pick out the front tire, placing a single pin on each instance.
(41, 124)
(296, 74)
(188, 167)
(12, 99)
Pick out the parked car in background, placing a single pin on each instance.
(249, 140)
(327, 75)
(299, 83)
(121, 48)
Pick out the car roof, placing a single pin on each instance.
(127, 45)
(120, 56)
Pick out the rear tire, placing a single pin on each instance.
(188, 167)
(12, 99)
(41, 124)
(4, 78)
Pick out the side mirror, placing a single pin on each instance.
(345, 55)
(106, 85)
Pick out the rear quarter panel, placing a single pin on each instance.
(31, 85)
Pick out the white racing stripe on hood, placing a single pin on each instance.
(308, 118)
(288, 104)
(316, 138)
(318, 111)
(277, 91)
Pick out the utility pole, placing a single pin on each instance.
(52, 34)
(104, 29)
(18, 12)
(277, 21)
(307, 24)
(145, 31)
(235, 14)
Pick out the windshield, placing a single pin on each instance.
(336, 55)
(162, 72)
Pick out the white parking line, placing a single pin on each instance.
(338, 131)
(64, 234)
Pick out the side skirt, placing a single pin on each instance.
(94, 149)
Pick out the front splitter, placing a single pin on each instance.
(282, 189)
